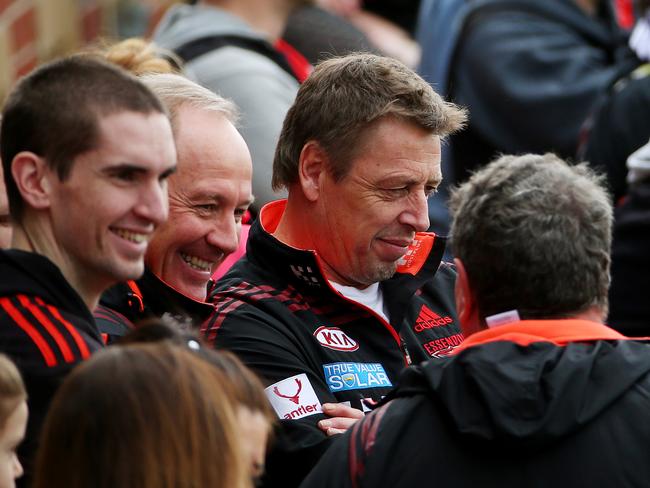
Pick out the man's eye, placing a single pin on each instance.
(127, 176)
(207, 207)
(398, 191)
(430, 191)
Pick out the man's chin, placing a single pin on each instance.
(381, 273)
(193, 291)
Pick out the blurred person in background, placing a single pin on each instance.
(530, 72)
(254, 414)
(232, 48)
(387, 24)
(144, 415)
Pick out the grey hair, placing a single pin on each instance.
(534, 234)
(176, 91)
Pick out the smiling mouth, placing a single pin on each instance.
(130, 235)
(404, 243)
(197, 263)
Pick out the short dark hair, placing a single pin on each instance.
(54, 111)
(343, 97)
(534, 234)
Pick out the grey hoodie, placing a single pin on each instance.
(260, 88)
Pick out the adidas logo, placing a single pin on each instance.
(428, 319)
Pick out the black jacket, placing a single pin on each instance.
(45, 328)
(629, 307)
(278, 313)
(535, 404)
(125, 305)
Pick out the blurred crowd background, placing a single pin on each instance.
(33, 31)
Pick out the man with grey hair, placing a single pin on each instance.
(541, 392)
(208, 197)
(342, 286)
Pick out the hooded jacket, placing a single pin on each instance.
(262, 90)
(45, 328)
(534, 403)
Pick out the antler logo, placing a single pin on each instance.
(295, 398)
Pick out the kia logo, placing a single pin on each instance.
(334, 338)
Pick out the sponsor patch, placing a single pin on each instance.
(293, 398)
(416, 254)
(335, 338)
(443, 347)
(355, 376)
(428, 319)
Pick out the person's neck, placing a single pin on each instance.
(291, 229)
(39, 239)
(266, 16)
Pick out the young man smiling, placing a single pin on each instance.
(86, 151)
(342, 286)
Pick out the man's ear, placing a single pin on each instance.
(312, 166)
(32, 178)
(466, 305)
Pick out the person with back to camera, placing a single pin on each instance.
(541, 393)
(13, 421)
(143, 415)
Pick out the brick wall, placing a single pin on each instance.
(32, 31)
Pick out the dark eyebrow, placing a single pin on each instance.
(124, 168)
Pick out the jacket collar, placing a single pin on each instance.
(560, 332)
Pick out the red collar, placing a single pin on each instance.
(559, 332)
(270, 215)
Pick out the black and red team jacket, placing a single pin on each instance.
(279, 314)
(45, 328)
(539, 403)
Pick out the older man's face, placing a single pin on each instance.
(208, 196)
(367, 220)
